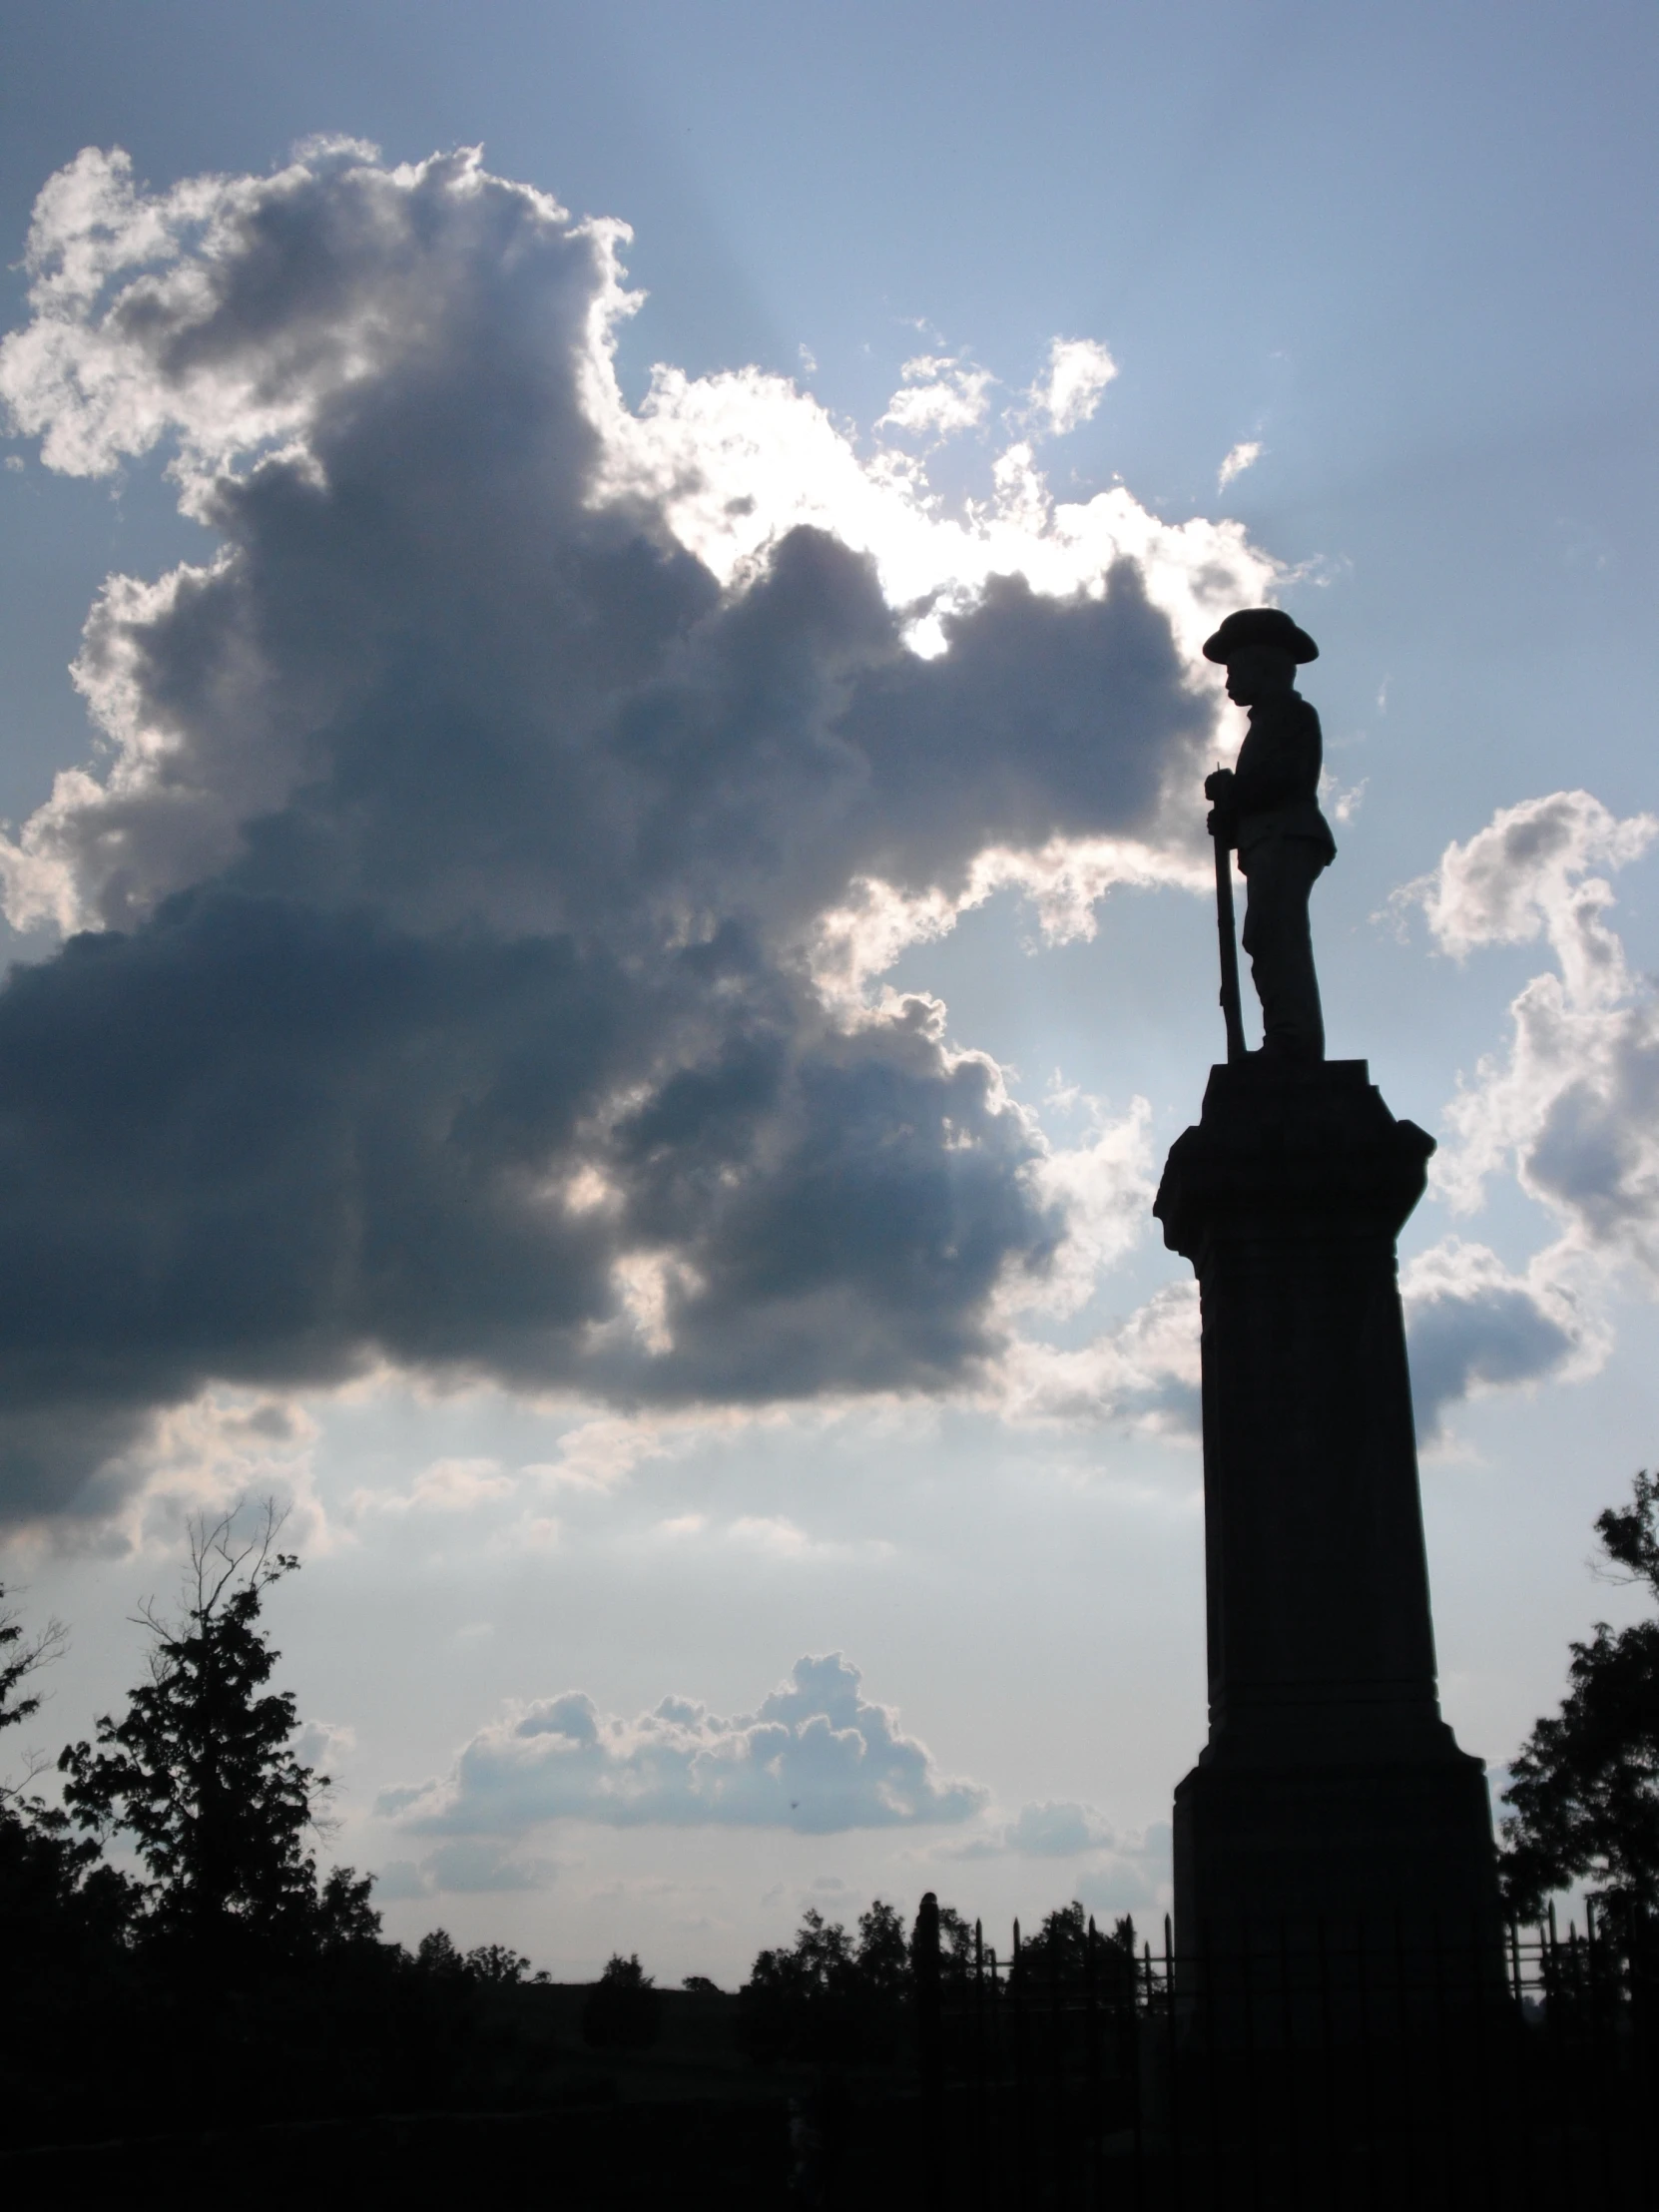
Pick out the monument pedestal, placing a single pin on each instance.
(1331, 1802)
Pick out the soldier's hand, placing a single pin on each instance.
(1218, 785)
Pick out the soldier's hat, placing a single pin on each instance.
(1260, 626)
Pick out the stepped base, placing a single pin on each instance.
(1264, 1849)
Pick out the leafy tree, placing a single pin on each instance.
(1061, 1951)
(799, 2003)
(1585, 1784)
(881, 1963)
(19, 1660)
(623, 2011)
(59, 1903)
(956, 1957)
(499, 1967)
(202, 1774)
(839, 1999)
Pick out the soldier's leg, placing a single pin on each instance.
(1278, 937)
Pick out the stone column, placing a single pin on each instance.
(1331, 1790)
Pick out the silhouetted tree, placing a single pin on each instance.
(798, 2002)
(202, 1774)
(956, 1946)
(623, 2011)
(20, 1659)
(59, 1903)
(1060, 1951)
(836, 2000)
(499, 1967)
(1585, 1784)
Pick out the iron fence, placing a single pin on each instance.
(1298, 2068)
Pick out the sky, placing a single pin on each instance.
(607, 909)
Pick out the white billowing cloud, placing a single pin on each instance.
(324, 1745)
(941, 393)
(817, 1756)
(1242, 456)
(1569, 1109)
(1341, 801)
(1527, 876)
(1143, 1372)
(1063, 882)
(738, 459)
(1080, 370)
(497, 838)
(1103, 1189)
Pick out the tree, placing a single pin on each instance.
(1584, 1787)
(59, 1903)
(492, 1966)
(836, 1999)
(19, 1660)
(202, 1774)
(1068, 1942)
(623, 2011)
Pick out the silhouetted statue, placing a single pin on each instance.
(1267, 806)
(1332, 1802)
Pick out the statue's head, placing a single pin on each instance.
(1262, 649)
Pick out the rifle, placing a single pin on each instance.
(1229, 1006)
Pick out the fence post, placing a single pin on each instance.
(1140, 2063)
(1177, 2142)
(1017, 1994)
(1405, 2088)
(981, 2082)
(1095, 2129)
(929, 2055)
(1294, 2104)
(1059, 2147)
(1328, 2056)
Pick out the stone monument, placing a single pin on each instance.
(1330, 1795)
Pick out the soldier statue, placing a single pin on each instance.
(1268, 807)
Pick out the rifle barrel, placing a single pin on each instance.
(1232, 1010)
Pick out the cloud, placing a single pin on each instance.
(1569, 1109)
(1080, 370)
(465, 1865)
(1057, 1830)
(815, 1757)
(941, 393)
(446, 1487)
(1242, 456)
(1527, 876)
(326, 1745)
(1114, 1869)
(446, 983)
(1472, 1324)
(1143, 1372)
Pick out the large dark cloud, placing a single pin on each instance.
(453, 885)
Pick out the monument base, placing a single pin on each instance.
(1332, 1815)
(1268, 1854)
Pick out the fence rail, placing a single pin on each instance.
(1305, 2067)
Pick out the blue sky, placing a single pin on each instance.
(1397, 266)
